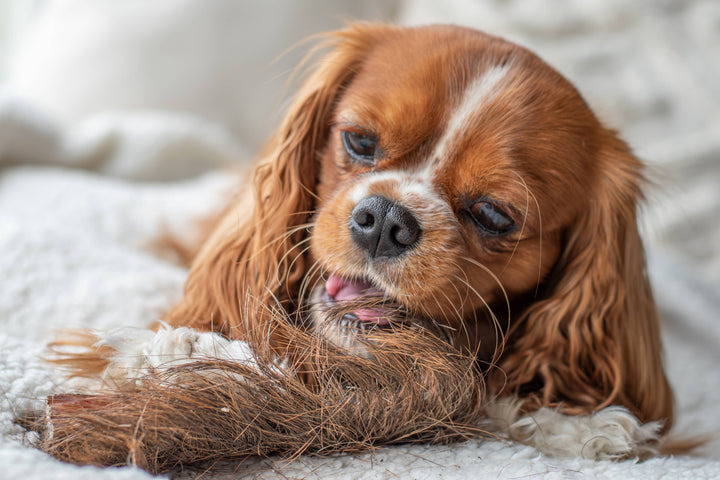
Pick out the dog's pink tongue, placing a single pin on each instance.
(344, 289)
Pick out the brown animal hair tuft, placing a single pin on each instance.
(413, 388)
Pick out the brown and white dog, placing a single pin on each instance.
(443, 177)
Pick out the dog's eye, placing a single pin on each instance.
(491, 218)
(361, 148)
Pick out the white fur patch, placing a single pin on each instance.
(140, 351)
(481, 91)
(410, 189)
(611, 433)
(404, 183)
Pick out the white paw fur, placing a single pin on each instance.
(138, 352)
(610, 433)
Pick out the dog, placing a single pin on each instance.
(440, 179)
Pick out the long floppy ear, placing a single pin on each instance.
(593, 340)
(253, 263)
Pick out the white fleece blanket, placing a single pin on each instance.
(74, 252)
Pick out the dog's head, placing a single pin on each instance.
(453, 169)
(438, 175)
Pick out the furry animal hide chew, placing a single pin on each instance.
(412, 388)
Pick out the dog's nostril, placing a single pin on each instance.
(406, 230)
(363, 217)
(383, 228)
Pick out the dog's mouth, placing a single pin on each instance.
(347, 309)
(356, 301)
(358, 291)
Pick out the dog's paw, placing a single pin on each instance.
(125, 355)
(611, 433)
(139, 352)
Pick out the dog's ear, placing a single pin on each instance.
(254, 261)
(593, 340)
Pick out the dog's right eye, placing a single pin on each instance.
(361, 148)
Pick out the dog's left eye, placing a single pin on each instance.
(361, 148)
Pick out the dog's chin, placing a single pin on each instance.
(351, 313)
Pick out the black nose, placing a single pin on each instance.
(383, 228)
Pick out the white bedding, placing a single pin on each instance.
(74, 243)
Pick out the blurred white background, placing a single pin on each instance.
(225, 61)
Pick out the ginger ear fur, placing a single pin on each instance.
(249, 272)
(594, 340)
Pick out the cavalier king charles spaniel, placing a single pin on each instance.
(440, 180)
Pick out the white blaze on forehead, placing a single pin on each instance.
(409, 189)
(481, 91)
(404, 183)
